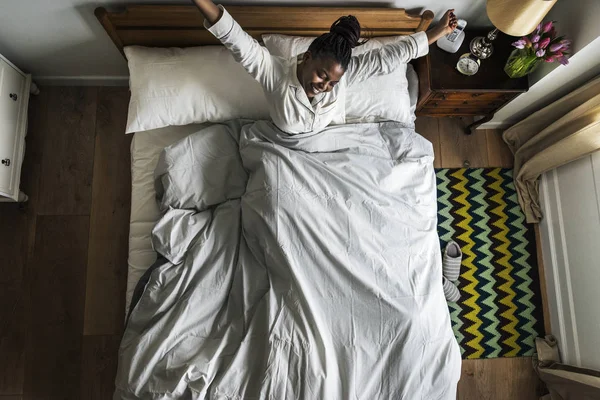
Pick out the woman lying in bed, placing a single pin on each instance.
(303, 94)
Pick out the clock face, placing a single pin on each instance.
(467, 65)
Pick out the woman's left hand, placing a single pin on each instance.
(448, 22)
(446, 25)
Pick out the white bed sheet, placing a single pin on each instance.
(145, 150)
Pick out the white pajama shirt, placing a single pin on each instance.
(289, 106)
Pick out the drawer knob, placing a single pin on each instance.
(13, 96)
(6, 162)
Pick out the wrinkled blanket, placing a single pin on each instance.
(294, 267)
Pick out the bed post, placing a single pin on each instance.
(426, 19)
(102, 16)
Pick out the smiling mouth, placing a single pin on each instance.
(314, 89)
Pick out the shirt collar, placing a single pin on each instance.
(300, 93)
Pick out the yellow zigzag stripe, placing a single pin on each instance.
(506, 265)
(468, 257)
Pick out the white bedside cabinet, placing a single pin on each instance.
(14, 99)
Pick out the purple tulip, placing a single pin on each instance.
(519, 44)
(527, 41)
(556, 47)
(562, 45)
(549, 59)
(540, 53)
(538, 28)
(544, 43)
(563, 60)
(546, 27)
(536, 46)
(535, 38)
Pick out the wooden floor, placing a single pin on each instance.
(64, 255)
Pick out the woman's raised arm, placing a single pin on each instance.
(211, 12)
(252, 56)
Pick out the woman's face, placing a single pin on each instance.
(318, 75)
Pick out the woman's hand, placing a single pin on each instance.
(446, 25)
(448, 21)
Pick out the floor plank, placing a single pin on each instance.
(109, 221)
(32, 163)
(53, 355)
(99, 366)
(498, 379)
(499, 155)
(428, 128)
(459, 149)
(12, 338)
(68, 153)
(14, 240)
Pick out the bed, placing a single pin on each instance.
(180, 26)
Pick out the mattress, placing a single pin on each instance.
(145, 149)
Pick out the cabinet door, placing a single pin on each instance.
(11, 92)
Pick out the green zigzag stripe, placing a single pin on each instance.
(493, 336)
(445, 200)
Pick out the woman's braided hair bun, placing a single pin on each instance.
(343, 36)
(347, 27)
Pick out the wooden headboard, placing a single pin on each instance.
(182, 26)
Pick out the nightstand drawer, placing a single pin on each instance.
(480, 97)
(464, 104)
(451, 111)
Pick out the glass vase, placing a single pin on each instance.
(521, 62)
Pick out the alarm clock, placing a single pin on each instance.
(468, 64)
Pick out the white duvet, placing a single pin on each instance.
(295, 267)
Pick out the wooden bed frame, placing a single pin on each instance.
(182, 26)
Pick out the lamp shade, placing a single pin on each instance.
(518, 17)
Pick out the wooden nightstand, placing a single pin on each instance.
(443, 91)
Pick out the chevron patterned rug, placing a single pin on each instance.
(499, 313)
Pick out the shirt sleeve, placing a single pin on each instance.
(255, 58)
(387, 58)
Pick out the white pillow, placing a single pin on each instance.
(173, 86)
(379, 98)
